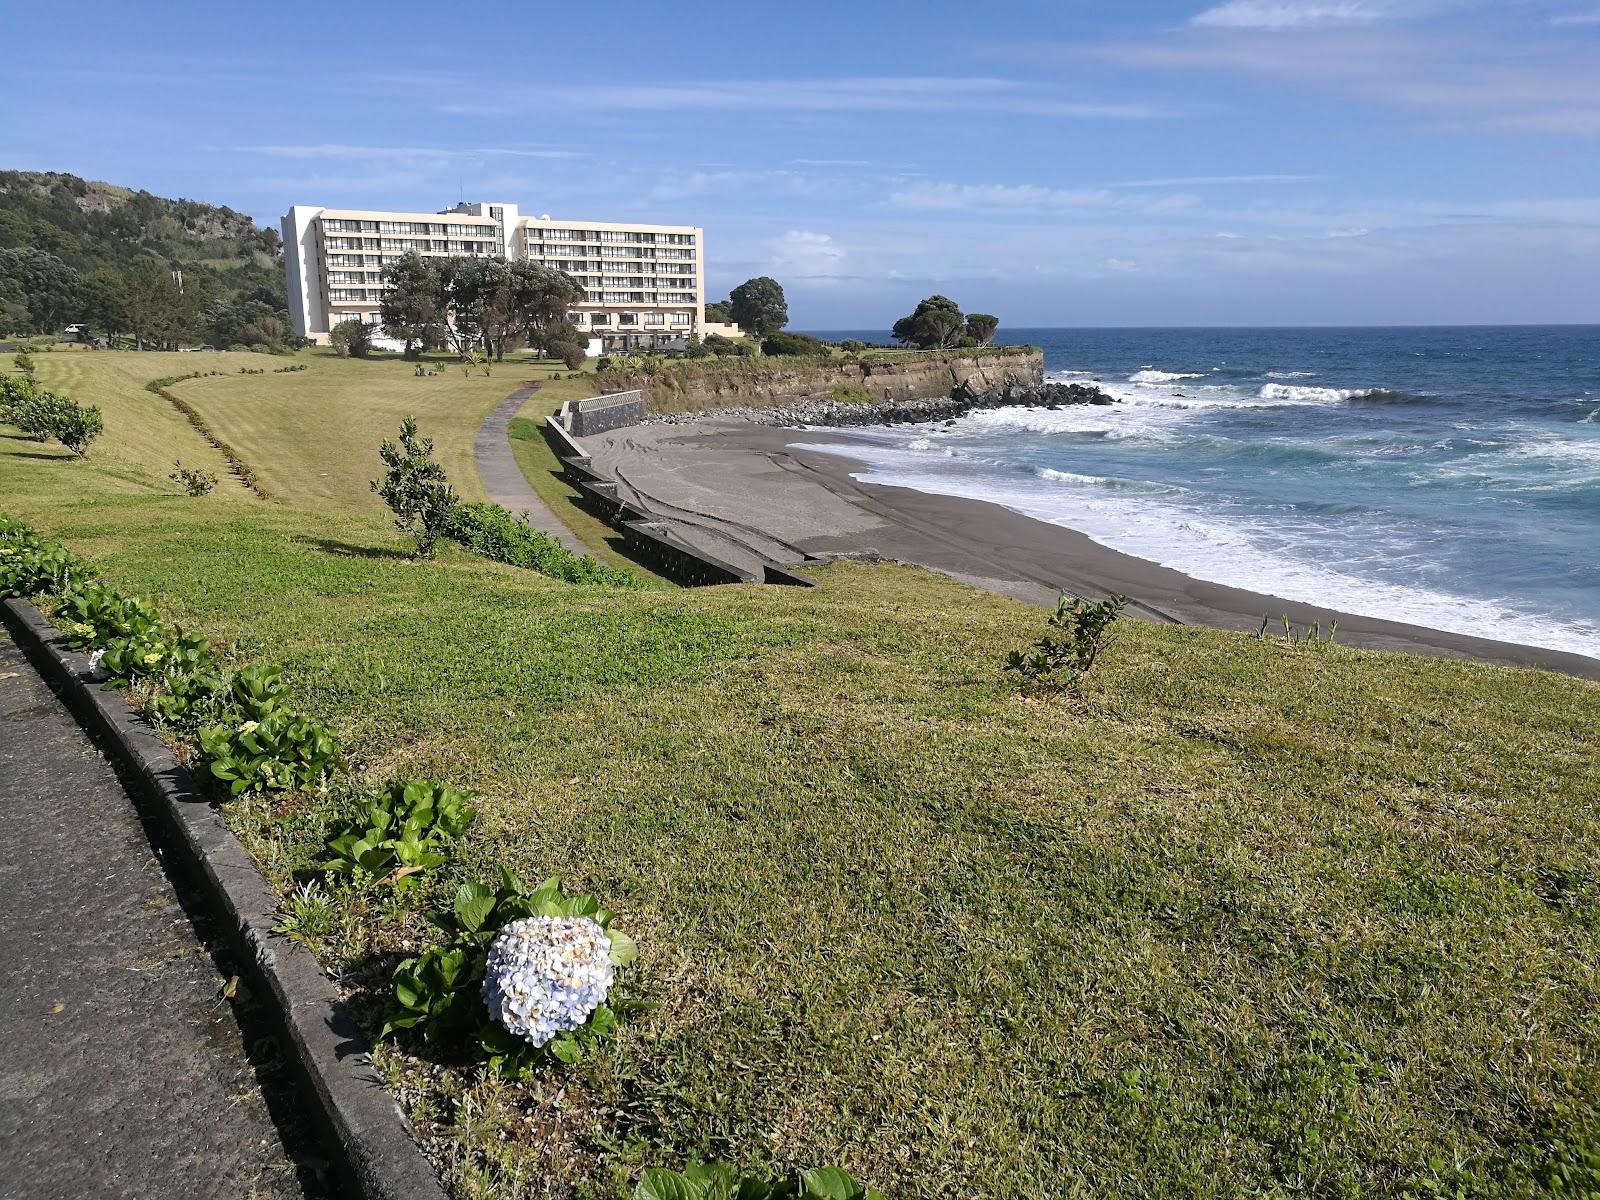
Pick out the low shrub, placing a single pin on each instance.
(1059, 664)
(491, 530)
(715, 1181)
(31, 566)
(844, 394)
(440, 994)
(400, 832)
(192, 480)
(852, 346)
(415, 488)
(43, 415)
(795, 345)
(281, 752)
(23, 361)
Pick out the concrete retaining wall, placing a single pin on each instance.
(762, 383)
(602, 413)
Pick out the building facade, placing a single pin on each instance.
(644, 285)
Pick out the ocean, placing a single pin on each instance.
(1446, 477)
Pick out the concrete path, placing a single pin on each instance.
(503, 479)
(123, 1070)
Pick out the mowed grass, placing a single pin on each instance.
(1247, 920)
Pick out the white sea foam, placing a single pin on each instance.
(1158, 525)
(1163, 376)
(1300, 394)
(1290, 374)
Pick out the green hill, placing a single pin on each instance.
(87, 224)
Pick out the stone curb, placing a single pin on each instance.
(362, 1125)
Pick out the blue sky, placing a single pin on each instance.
(1056, 163)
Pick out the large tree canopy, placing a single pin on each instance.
(41, 285)
(936, 324)
(758, 306)
(489, 302)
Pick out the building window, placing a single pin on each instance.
(627, 318)
(576, 318)
(655, 318)
(682, 318)
(601, 319)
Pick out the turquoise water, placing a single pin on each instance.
(1448, 477)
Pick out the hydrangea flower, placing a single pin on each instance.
(547, 975)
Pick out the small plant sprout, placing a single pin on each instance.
(1311, 636)
(1059, 663)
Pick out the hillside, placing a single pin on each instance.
(89, 225)
(1247, 918)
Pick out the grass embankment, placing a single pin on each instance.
(1249, 920)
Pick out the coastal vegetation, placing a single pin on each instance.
(1249, 918)
(134, 266)
(937, 323)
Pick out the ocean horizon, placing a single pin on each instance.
(1444, 476)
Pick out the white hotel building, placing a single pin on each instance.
(644, 285)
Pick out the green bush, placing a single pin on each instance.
(715, 1181)
(490, 530)
(852, 346)
(400, 832)
(43, 415)
(844, 394)
(438, 994)
(1059, 664)
(281, 752)
(415, 488)
(795, 345)
(30, 566)
(192, 480)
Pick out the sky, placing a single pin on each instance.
(1055, 162)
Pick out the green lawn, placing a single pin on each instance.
(1249, 920)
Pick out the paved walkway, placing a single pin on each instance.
(123, 1071)
(503, 479)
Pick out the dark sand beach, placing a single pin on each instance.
(748, 489)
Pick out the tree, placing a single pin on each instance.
(103, 301)
(719, 312)
(936, 324)
(352, 339)
(156, 308)
(540, 300)
(414, 305)
(981, 327)
(794, 344)
(40, 283)
(758, 306)
(415, 488)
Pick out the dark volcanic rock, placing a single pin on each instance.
(958, 403)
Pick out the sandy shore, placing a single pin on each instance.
(749, 490)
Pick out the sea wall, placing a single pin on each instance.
(702, 385)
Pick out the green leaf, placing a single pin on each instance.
(565, 1048)
(474, 902)
(658, 1184)
(623, 948)
(830, 1183)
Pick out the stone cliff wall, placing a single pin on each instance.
(700, 386)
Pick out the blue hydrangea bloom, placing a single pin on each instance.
(547, 975)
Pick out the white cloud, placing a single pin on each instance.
(680, 185)
(807, 254)
(1022, 198)
(731, 97)
(1291, 14)
(415, 154)
(1208, 180)
(1578, 18)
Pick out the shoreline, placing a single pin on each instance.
(749, 483)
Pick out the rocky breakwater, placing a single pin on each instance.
(845, 413)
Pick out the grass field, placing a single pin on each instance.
(1250, 920)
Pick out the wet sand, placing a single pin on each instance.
(748, 486)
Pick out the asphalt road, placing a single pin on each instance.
(124, 1069)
